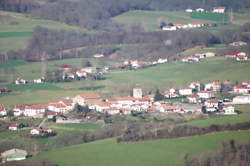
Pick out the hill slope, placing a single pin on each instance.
(152, 153)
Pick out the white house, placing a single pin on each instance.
(189, 10)
(212, 103)
(246, 83)
(241, 89)
(205, 94)
(209, 54)
(162, 60)
(238, 43)
(14, 127)
(228, 110)
(98, 55)
(38, 80)
(219, 9)
(185, 91)
(36, 131)
(199, 10)
(81, 74)
(20, 81)
(192, 98)
(58, 107)
(241, 99)
(36, 111)
(18, 110)
(169, 28)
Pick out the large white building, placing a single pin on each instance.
(241, 99)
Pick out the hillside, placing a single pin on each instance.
(151, 153)
(16, 29)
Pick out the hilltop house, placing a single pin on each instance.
(87, 99)
(13, 155)
(219, 9)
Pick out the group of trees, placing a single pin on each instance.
(132, 134)
(230, 154)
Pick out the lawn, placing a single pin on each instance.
(220, 17)
(150, 153)
(220, 120)
(13, 63)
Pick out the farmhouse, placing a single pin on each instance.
(36, 131)
(89, 70)
(98, 55)
(123, 100)
(200, 10)
(189, 10)
(14, 127)
(169, 28)
(246, 83)
(19, 81)
(232, 54)
(241, 99)
(35, 111)
(241, 57)
(87, 99)
(196, 86)
(205, 94)
(38, 80)
(13, 155)
(192, 98)
(212, 103)
(228, 110)
(185, 91)
(219, 9)
(18, 110)
(81, 74)
(3, 111)
(66, 67)
(209, 54)
(58, 107)
(241, 89)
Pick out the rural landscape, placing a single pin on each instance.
(129, 82)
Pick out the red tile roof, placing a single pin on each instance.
(91, 96)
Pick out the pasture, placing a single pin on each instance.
(149, 153)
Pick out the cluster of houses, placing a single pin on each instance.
(239, 56)
(219, 9)
(69, 72)
(137, 64)
(175, 27)
(19, 81)
(205, 94)
(197, 57)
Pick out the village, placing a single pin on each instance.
(197, 24)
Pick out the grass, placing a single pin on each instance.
(220, 120)
(31, 87)
(13, 63)
(220, 17)
(8, 134)
(178, 74)
(150, 153)
(244, 108)
(15, 32)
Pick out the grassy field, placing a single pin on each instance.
(150, 153)
(220, 17)
(220, 120)
(16, 29)
(31, 87)
(175, 74)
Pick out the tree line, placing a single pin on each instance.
(133, 134)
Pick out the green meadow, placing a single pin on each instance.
(220, 120)
(149, 153)
(16, 29)
(220, 17)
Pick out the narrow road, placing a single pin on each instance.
(43, 121)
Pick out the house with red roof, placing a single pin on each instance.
(19, 110)
(220, 9)
(246, 83)
(241, 89)
(228, 110)
(185, 91)
(19, 81)
(35, 111)
(85, 99)
(3, 111)
(14, 127)
(212, 103)
(231, 54)
(36, 131)
(205, 94)
(242, 56)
